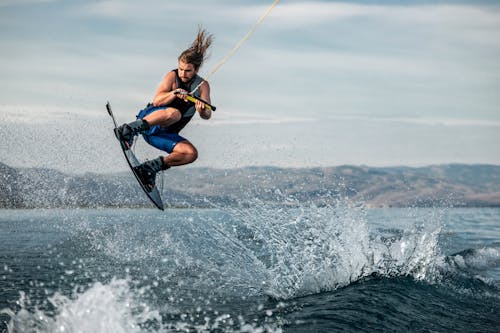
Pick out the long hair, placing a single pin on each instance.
(197, 52)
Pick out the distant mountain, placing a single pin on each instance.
(442, 185)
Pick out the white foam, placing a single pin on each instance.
(102, 308)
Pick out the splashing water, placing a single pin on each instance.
(307, 250)
(102, 308)
(170, 272)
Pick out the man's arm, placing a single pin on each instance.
(164, 94)
(204, 112)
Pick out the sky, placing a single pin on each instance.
(319, 83)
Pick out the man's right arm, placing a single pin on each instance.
(164, 94)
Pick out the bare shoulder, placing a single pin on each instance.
(205, 86)
(167, 83)
(169, 77)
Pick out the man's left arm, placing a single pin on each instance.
(204, 112)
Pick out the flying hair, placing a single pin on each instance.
(196, 54)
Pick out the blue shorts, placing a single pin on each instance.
(157, 136)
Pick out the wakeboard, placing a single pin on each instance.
(153, 194)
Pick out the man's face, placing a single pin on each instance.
(186, 71)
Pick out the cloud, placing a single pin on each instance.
(167, 11)
(246, 118)
(312, 64)
(44, 114)
(294, 14)
(424, 121)
(319, 12)
(16, 3)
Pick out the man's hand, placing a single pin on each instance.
(204, 112)
(180, 93)
(200, 106)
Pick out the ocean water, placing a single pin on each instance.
(254, 269)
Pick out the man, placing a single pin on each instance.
(161, 121)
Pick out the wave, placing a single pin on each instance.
(316, 249)
(101, 308)
(310, 250)
(118, 307)
(472, 271)
(282, 252)
(172, 273)
(476, 260)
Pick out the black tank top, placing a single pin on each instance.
(187, 109)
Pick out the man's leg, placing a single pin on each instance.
(163, 117)
(184, 153)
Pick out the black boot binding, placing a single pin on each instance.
(126, 132)
(147, 171)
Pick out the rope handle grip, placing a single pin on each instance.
(193, 99)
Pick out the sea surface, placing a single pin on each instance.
(258, 268)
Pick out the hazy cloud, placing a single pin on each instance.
(376, 82)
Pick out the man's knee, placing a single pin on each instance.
(192, 154)
(172, 115)
(188, 150)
